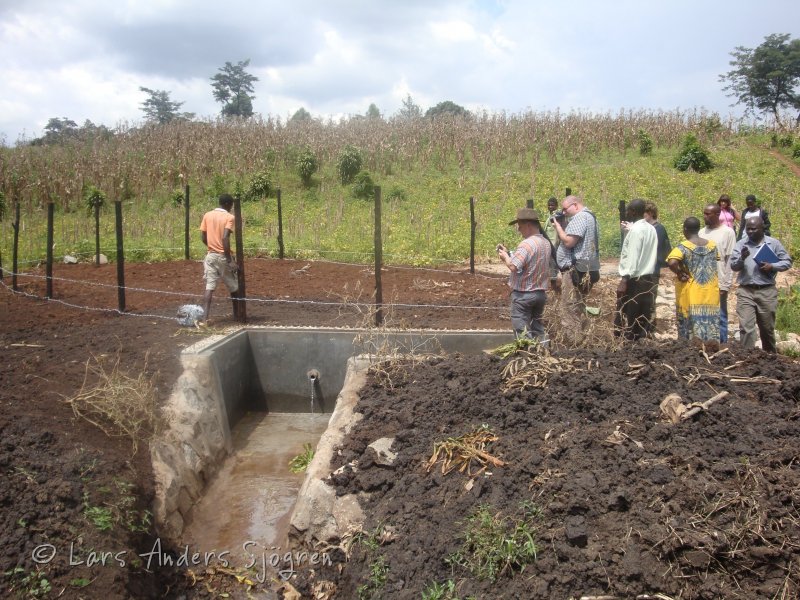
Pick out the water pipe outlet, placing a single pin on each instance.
(313, 375)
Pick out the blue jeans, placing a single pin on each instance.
(527, 309)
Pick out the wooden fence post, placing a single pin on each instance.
(120, 256)
(378, 259)
(472, 226)
(239, 304)
(49, 259)
(97, 233)
(280, 226)
(186, 222)
(15, 247)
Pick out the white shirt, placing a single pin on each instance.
(725, 239)
(638, 256)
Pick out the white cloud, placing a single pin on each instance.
(453, 31)
(86, 59)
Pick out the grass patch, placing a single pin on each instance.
(787, 317)
(300, 463)
(495, 545)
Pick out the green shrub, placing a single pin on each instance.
(260, 186)
(218, 186)
(177, 197)
(712, 125)
(786, 141)
(307, 164)
(92, 196)
(796, 150)
(645, 143)
(693, 156)
(349, 164)
(2, 205)
(397, 193)
(363, 186)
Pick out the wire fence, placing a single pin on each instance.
(185, 297)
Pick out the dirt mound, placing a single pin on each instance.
(61, 477)
(619, 502)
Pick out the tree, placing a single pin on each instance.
(233, 87)
(300, 115)
(373, 112)
(766, 78)
(410, 109)
(159, 108)
(448, 107)
(59, 129)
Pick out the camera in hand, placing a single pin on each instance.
(558, 215)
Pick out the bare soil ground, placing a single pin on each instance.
(704, 509)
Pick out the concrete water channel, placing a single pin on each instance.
(245, 406)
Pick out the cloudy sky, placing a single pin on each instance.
(86, 59)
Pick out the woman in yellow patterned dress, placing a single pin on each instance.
(694, 261)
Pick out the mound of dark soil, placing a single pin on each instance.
(622, 503)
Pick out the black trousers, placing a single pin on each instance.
(633, 318)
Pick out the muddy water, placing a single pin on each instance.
(254, 491)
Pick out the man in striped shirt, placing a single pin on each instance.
(529, 276)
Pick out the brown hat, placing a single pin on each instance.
(525, 214)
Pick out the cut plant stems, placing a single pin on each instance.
(464, 451)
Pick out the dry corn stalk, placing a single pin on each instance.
(532, 369)
(460, 452)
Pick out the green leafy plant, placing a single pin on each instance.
(645, 143)
(796, 150)
(2, 205)
(511, 348)
(693, 156)
(349, 164)
(177, 197)
(397, 193)
(79, 582)
(363, 186)
(300, 462)
(378, 572)
(218, 186)
(99, 516)
(260, 186)
(93, 197)
(440, 591)
(306, 165)
(494, 544)
(34, 584)
(118, 509)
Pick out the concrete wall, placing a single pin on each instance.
(264, 369)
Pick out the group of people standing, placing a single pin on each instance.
(574, 254)
(704, 262)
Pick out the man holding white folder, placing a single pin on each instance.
(757, 258)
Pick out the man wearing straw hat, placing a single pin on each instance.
(529, 276)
